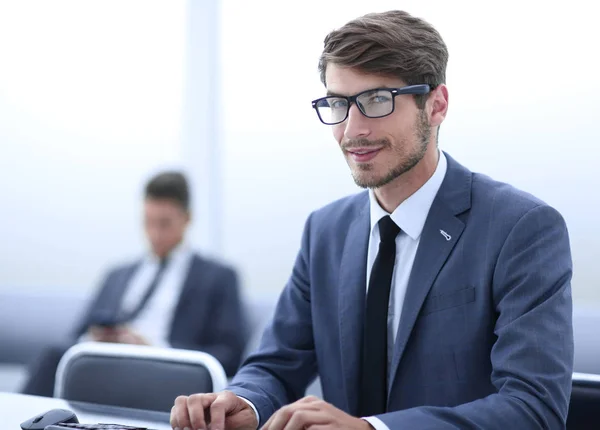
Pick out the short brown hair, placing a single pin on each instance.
(170, 185)
(390, 43)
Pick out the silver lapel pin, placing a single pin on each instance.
(446, 235)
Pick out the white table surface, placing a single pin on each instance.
(16, 408)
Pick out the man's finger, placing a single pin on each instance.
(197, 404)
(308, 399)
(279, 419)
(223, 404)
(179, 414)
(305, 418)
(172, 419)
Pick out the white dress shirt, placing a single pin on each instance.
(154, 320)
(410, 216)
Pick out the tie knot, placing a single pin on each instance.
(388, 229)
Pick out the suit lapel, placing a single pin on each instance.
(110, 300)
(352, 285)
(434, 249)
(440, 234)
(121, 285)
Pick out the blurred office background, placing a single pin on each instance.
(96, 96)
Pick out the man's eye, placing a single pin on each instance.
(338, 104)
(379, 99)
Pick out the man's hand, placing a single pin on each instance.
(312, 411)
(223, 411)
(119, 334)
(130, 336)
(103, 334)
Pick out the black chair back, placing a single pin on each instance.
(134, 376)
(584, 408)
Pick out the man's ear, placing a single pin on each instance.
(437, 105)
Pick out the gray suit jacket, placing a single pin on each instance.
(485, 337)
(209, 315)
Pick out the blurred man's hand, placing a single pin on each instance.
(120, 334)
(104, 334)
(130, 336)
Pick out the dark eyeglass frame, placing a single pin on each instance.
(410, 89)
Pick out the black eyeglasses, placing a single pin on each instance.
(375, 103)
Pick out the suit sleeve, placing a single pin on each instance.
(226, 336)
(98, 298)
(532, 358)
(279, 372)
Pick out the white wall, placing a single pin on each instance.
(90, 105)
(94, 96)
(522, 109)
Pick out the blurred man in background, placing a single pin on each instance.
(172, 297)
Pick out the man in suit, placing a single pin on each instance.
(438, 299)
(171, 298)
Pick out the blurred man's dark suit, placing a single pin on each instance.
(208, 317)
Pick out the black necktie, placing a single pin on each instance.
(129, 316)
(373, 381)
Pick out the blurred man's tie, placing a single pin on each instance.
(132, 314)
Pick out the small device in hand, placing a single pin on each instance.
(104, 319)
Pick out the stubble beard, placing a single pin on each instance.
(360, 172)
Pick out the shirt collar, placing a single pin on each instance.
(178, 253)
(412, 213)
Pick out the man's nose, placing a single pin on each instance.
(357, 125)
